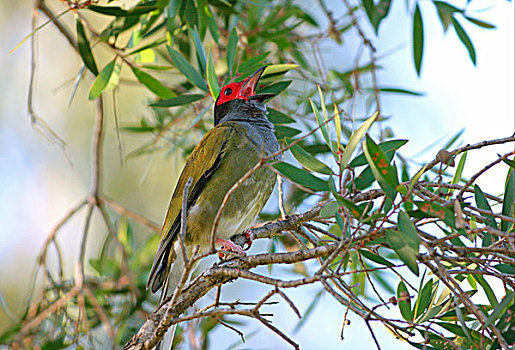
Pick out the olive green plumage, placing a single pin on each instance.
(222, 157)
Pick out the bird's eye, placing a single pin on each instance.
(228, 92)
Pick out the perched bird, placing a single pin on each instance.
(242, 134)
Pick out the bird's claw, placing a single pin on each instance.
(249, 236)
(229, 246)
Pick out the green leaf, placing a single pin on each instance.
(232, 45)
(354, 139)
(106, 80)
(330, 209)
(301, 177)
(282, 131)
(212, 82)
(418, 39)
(388, 147)
(464, 327)
(459, 171)
(480, 23)
(277, 117)
(510, 162)
(251, 65)
(85, 49)
(355, 210)
(106, 267)
(178, 101)
(187, 69)
(508, 203)
(442, 5)
(401, 91)
(376, 12)
(323, 127)
(384, 173)
(213, 28)
(308, 161)
(482, 203)
(337, 126)
(322, 104)
(276, 88)
(499, 309)
(505, 268)
(434, 210)
(423, 299)
(190, 13)
(201, 54)
(152, 84)
(404, 301)
(119, 12)
(375, 258)
(409, 230)
(446, 13)
(405, 246)
(488, 290)
(275, 70)
(465, 39)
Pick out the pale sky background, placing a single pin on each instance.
(37, 186)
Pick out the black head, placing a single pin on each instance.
(241, 96)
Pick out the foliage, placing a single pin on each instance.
(381, 225)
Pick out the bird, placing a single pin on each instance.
(241, 136)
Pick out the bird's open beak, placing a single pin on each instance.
(248, 89)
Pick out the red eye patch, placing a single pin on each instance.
(230, 92)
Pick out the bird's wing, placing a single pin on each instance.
(202, 163)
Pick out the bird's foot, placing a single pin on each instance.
(250, 237)
(229, 246)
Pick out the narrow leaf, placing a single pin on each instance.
(355, 138)
(482, 203)
(398, 241)
(232, 46)
(401, 91)
(177, 101)
(301, 177)
(375, 258)
(330, 209)
(388, 147)
(252, 64)
(480, 23)
(212, 82)
(187, 69)
(423, 299)
(276, 70)
(201, 54)
(384, 173)
(499, 309)
(276, 88)
(337, 126)
(459, 171)
(323, 127)
(85, 49)
(465, 39)
(277, 117)
(404, 301)
(418, 39)
(282, 131)
(119, 12)
(508, 200)
(488, 290)
(106, 79)
(152, 84)
(308, 161)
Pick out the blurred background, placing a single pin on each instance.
(39, 182)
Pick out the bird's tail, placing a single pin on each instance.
(173, 280)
